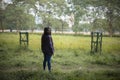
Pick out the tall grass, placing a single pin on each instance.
(72, 59)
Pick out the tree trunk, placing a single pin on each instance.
(17, 26)
(110, 28)
(62, 26)
(1, 25)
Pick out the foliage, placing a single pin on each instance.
(21, 9)
(15, 18)
(104, 13)
(100, 25)
(100, 9)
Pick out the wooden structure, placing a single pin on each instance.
(96, 42)
(24, 38)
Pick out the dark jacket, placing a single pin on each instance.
(47, 44)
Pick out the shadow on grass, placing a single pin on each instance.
(56, 75)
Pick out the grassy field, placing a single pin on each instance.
(72, 59)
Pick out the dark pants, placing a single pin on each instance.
(47, 59)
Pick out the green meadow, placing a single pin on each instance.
(72, 59)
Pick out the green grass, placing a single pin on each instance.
(72, 59)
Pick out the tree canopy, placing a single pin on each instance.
(95, 15)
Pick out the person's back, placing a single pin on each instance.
(47, 47)
(47, 44)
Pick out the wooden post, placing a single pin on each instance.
(96, 45)
(101, 43)
(20, 38)
(24, 38)
(96, 49)
(92, 42)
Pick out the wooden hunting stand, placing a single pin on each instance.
(24, 38)
(96, 42)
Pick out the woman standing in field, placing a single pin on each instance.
(47, 47)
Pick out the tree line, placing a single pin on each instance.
(75, 15)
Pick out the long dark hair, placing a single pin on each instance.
(47, 31)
